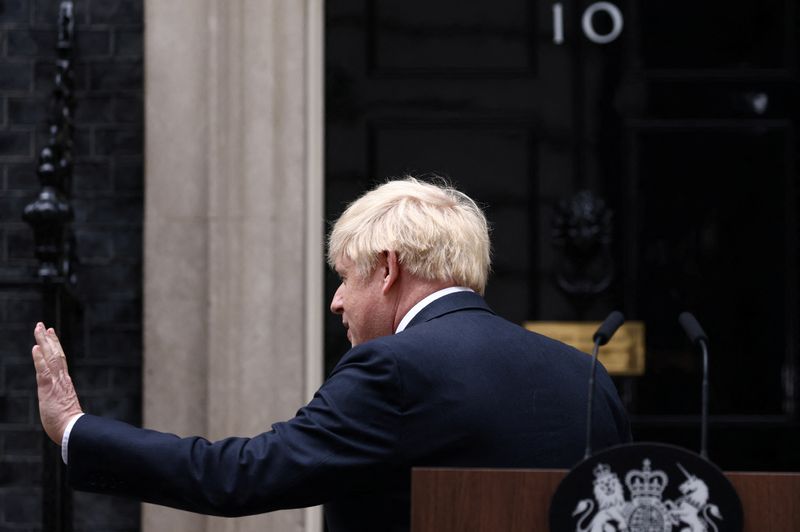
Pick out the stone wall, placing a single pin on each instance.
(108, 204)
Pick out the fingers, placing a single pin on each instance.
(55, 345)
(51, 351)
(38, 363)
(55, 342)
(40, 350)
(40, 334)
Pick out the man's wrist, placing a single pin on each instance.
(65, 437)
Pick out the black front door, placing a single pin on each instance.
(677, 116)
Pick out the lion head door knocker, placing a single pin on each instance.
(582, 236)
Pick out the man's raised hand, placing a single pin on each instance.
(58, 402)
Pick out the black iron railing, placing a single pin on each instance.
(50, 216)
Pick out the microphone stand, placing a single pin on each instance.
(595, 352)
(704, 412)
(604, 333)
(698, 336)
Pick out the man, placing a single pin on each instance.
(434, 378)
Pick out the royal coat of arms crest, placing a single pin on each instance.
(646, 510)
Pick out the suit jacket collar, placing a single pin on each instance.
(450, 303)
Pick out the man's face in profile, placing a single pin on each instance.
(366, 312)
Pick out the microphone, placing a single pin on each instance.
(698, 336)
(693, 330)
(609, 327)
(601, 337)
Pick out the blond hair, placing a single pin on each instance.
(437, 232)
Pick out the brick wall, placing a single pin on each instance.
(107, 200)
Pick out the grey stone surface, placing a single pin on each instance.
(233, 268)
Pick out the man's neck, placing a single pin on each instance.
(414, 291)
(424, 302)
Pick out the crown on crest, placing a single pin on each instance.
(646, 483)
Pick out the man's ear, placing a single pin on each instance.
(391, 270)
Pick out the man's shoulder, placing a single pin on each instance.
(471, 330)
(464, 329)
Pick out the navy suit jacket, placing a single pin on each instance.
(459, 387)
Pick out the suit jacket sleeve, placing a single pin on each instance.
(338, 442)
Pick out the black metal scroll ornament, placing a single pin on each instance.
(582, 234)
(50, 213)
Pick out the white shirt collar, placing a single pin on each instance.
(427, 301)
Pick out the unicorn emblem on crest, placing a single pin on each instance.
(693, 508)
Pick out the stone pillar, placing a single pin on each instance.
(233, 226)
